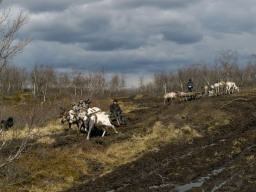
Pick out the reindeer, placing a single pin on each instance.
(169, 96)
(97, 119)
(216, 88)
(230, 87)
(222, 85)
(82, 114)
(70, 117)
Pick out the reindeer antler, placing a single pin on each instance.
(63, 109)
(88, 101)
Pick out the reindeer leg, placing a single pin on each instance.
(78, 127)
(89, 132)
(69, 128)
(104, 131)
(85, 127)
(114, 128)
(90, 124)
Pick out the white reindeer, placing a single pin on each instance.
(169, 96)
(83, 113)
(230, 87)
(222, 86)
(98, 119)
(216, 88)
(183, 96)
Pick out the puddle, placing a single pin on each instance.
(206, 146)
(218, 186)
(186, 155)
(213, 144)
(159, 186)
(200, 182)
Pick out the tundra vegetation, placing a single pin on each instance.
(162, 147)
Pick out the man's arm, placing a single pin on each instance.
(111, 108)
(119, 109)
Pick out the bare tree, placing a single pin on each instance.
(64, 81)
(78, 81)
(114, 84)
(159, 80)
(250, 70)
(13, 79)
(141, 84)
(123, 82)
(227, 59)
(35, 79)
(42, 77)
(96, 83)
(182, 80)
(10, 44)
(47, 79)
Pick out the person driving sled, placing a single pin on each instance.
(116, 112)
(190, 85)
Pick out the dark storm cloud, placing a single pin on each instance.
(134, 36)
(93, 34)
(165, 4)
(110, 44)
(125, 63)
(61, 31)
(181, 34)
(50, 5)
(225, 17)
(98, 30)
(234, 24)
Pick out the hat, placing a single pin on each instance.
(115, 100)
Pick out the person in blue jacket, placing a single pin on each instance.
(190, 85)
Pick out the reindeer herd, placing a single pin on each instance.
(222, 87)
(87, 118)
(209, 90)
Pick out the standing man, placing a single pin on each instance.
(190, 85)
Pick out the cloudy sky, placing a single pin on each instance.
(136, 37)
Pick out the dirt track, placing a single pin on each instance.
(223, 159)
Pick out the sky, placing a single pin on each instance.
(135, 37)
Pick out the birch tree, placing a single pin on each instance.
(10, 42)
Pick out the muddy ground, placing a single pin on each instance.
(221, 159)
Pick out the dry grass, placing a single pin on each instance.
(59, 160)
(42, 133)
(55, 169)
(139, 96)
